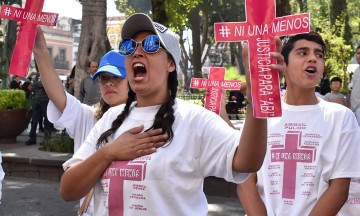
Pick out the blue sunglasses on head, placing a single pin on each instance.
(149, 44)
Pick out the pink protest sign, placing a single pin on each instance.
(260, 30)
(30, 16)
(214, 86)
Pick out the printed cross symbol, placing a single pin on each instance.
(113, 182)
(290, 154)
(259, 30)
(214, 86)
(30, 16)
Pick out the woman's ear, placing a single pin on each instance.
(171, 66)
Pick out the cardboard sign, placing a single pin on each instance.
(214, 86)
(30, 16)
(260, 30)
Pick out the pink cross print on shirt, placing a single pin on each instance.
(214, 86)
(290, 154)
(259, 30)
(113, 183)
(30, 16)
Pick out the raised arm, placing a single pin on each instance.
(49, 78)
(251, 151)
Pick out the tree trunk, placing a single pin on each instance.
(283, 8)
(159, 12)
(93, 38)
(303, 5)
(338, 11)
(194, 19)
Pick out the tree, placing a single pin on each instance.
(7, 42)
(338, 11)
(283, 8)
(93, 39)
(159, 12)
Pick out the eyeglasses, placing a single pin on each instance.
(149, 44)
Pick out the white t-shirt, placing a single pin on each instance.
(352, 205)
(169, 181)
(308, 146)
(78, 119)
(355, 92)
(2, 174)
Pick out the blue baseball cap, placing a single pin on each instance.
(113, 63)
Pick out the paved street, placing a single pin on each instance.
(32, 197)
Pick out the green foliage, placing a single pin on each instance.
(233, 74)
(134, 6)
(13, 99)
(59, 143)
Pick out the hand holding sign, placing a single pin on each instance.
(259, 30)
(279, 66)
(31, 16)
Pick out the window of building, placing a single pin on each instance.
(62, 55)
(50, 52)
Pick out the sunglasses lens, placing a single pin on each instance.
(127, 47)
(151, 44)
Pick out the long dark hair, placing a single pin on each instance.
(164, 118)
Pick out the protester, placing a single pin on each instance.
(199, 143)
(313, 148)
(89, 92)
(27, 87)
(64, 109)
(352, 205)
(335, 96)
(355, 92)
(69, 86)
(15, 83)
(39, 106)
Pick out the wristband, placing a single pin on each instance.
(249, 105)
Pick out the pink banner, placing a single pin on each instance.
(260, 30)
(214, 86)
(30, 16)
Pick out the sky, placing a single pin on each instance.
(73, 9)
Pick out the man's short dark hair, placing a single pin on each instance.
(288, 43)
(89, 63)
(336, 79)
(358, 47)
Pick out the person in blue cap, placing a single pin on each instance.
(65, 110)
